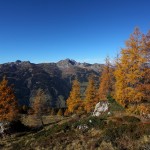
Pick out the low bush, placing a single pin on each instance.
(91, 122)
(133, 131)
(114, 106)
(131, 119)
(17, 126)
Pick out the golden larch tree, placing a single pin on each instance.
(129, 71)
(106, 80)
(74, 102)
(144, 85)
(8, 102)
(38, 104)
(91, 97)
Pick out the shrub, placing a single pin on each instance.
(110, 99)
(133, 109)
(66, 113)
(65, 127)
(131, 119)
(141, 109)
(91, 122)
(96, 122)
(114, 106)
(115, 131)
(144, 109)
(18, 126)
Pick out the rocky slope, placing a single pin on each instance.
(54, 78)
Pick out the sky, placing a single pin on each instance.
(83, 30)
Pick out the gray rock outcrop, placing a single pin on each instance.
(100, 108)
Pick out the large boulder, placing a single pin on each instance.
(100, 108)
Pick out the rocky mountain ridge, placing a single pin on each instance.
(54, 78)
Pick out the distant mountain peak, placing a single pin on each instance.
(66, 63)
(54, 78)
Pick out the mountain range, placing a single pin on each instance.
(53, 78)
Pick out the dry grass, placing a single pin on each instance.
(32, 120)
(61, 133)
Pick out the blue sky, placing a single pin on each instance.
(84, 30)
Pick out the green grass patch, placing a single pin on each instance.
(114, 106)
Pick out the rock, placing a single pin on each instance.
(100, 108)
(82, 127)
(4, 127)
(109, 113)
(1, 128)
(90, 121)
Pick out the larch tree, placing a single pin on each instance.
(145, 82)
(8, 102)
(144, 86)
(38, 105)
(91, 97)
(74, 101)
(129, 71)
(106, 80)
(147, 72)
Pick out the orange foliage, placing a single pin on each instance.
(74, 102)
(8, 102)
(106, 81)
(66, 113)
(144, 86)
(144, 109)
(38, 104)
(91, 97)
(130, 72)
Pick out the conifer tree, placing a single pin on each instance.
(145, 82)
(8, 102)
(91, 97)
(106, 80)
(38, 105)
(129, 71)
(74, 102)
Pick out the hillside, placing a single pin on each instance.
(108, 132)
(54, 78)
(114, 129)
